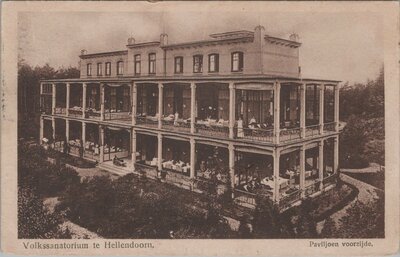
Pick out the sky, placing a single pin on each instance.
(339, 46)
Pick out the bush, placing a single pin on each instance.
(34, 221)
(45, 178)
(134, 207)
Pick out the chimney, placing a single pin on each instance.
(294, 37)
(259, 42)
(164, 39)
(83, 52)
(259, 33)
(131, 41)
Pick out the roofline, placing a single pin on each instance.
(121, 52)
(289, 42)
(151, 43)
(207, 41)
(129, 79)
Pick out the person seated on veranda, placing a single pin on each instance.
(207, 174)
(253, 121)
(117, 161)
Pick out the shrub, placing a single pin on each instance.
(34, 221)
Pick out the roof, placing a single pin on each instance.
(102, 54)
(187, 79)
(282, 41)
(144, 44)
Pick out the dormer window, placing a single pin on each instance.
(89, 69)
(237, 61)
(213, 63)
(108, 68)
(197, 63)
(120, 68)
(99, 69)
(152, 63)
(179, 64)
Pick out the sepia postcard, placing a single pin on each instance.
(195, 128)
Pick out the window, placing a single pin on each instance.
(213, 63)
(197, 63)
(47, 89)
(179, 64)
(237, 61)
(108, 68)
(120, 68)
(137, 64)
(99, 69)
(89, 69)
(152, 63)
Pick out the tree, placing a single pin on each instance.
(329, 229)
(29, 93)
(266, 219)
(34, 221)
(363, 220)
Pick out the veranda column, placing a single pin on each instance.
(337, 108)
(303, 110)
(277, 98)
(160, 104)
(302, 170)
(231, 109)
(53, 125)
(277, 155)
(192, 157)
(336, 154)
(53, 102)
(134, 102)
(159, 152)
(101, 101)
(84, 86)
(321, 108)
(68, 87)
(192, 106)
(133, 142)
(83, 134)
(66, 131)
(41, 130)
(101, 143)
(231, 150)
(321, 163)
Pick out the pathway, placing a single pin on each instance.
(367, 193)
(372, 168)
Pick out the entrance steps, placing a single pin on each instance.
(117, 170)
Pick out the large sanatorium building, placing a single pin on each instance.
(232, 108)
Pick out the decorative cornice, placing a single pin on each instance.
(104, 54)
(281, 41)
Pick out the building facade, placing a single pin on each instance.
(232, 108)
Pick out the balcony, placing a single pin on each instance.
(121, 117)
(60, 111)
(212, 128)
(254, 134)
(176, 125)
(147, 121)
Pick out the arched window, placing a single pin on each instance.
(178, 64)
(108, 68)
(198, 63)
(213, 63)
(237, 61)
(120, 68)
(89, 69)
